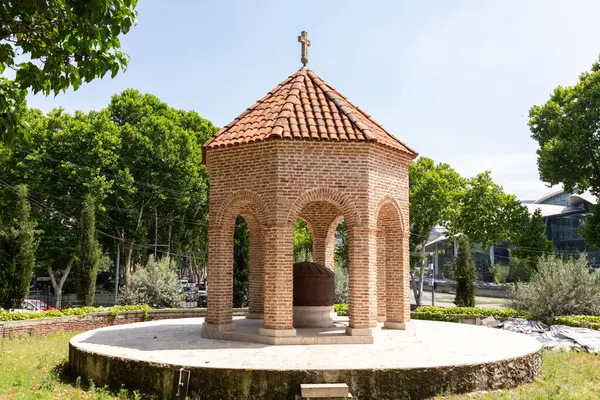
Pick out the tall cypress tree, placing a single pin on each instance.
(465, 275)
(531, 243)
(241, 261)
(17, 249)
(89, 254)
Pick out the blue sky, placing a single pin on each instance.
(454, 80)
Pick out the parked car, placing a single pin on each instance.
(29, 305)
(202, 298)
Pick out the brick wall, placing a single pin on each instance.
(44, 326)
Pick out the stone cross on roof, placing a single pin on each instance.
(303, 38)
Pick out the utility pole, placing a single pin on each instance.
(117, 263)
(155, 234)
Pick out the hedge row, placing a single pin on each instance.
(585, 321)
(451, 314)
(67, 312)
(456, 314)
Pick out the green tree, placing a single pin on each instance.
(465, 275)
(52, 45)
(140, 159)
(302, 242)
(530, 243)
(17, 247)
(89, 253)
(591, 223)
(486, 213)
(65, 161)
(566, 129)
(158, 170)
(434, 194)
(241, 261)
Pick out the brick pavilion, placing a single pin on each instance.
(305, 151)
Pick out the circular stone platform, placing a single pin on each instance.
(426, 359)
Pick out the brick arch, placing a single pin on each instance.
(243, 201)
(250, 207)
(389, 201)
(331, 196)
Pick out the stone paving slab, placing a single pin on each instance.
(424, 344)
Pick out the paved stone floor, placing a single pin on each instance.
(424, 344)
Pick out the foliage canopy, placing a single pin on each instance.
(52, 45)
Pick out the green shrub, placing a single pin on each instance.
(113, 311)
(341, 309)
(585, 321)
(559, 287)
(154, 283)
(500, 273)
(454, 314)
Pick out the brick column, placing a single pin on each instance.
(279, 282)
(381, 275)
(362, 271)
(398, 302)
(220, 280)
(319, 247)
(405, 277)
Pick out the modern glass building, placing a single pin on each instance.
(564, 215)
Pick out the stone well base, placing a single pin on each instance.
(425, 360)
(313, 317)
(252, 330)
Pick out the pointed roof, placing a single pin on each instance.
(305, 107)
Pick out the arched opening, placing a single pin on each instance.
(314, 280)
(393, 307)
(236, 263)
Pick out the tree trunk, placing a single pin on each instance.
(127, 264)
(422, 272)
(418, 288)
(58, 286)
(415, 289)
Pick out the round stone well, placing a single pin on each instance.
(314, 295)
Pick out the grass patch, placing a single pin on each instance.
(564, 376)
(34, 368)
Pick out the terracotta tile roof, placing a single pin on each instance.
(304, 107)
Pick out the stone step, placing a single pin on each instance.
(324, 391)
